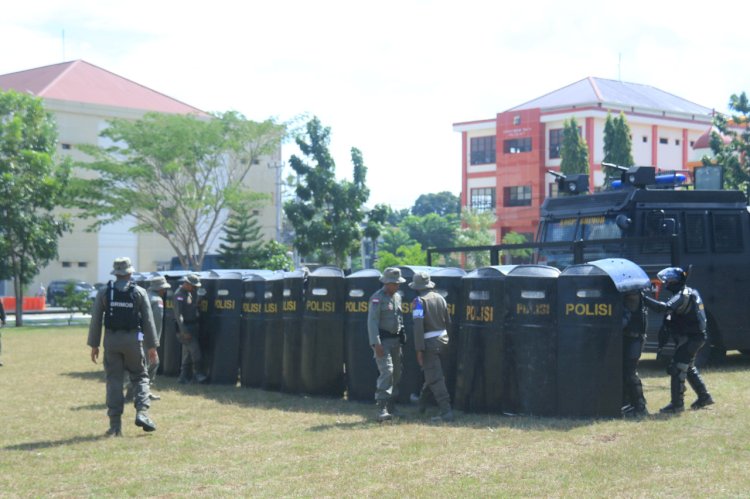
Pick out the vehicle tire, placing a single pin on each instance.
(712, 353)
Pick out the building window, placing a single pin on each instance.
(83, 264)
(482, 200)
(645, 139)
(517, 120)
(692, 143)
(65, 146)
(677, 142)
(482, 150)
(663, 140)
(517, 196)
(555, 142)
(516, 146)
(66, 264)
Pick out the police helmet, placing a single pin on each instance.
(673, 278)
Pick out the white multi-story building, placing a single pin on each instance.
(83, 98)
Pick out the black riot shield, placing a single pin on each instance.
(411, 376)
(531, 340)
(479, 371)
(292, 311)
(224, 325)
(171, 359)
(273, 328)
(253, 334)
(590, 314)
(207, 328)
(449, 283)
(322, 353)
(361, 369)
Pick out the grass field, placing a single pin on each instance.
(224, 441)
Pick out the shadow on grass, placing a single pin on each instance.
(90, 407)
(87, 375)
(46, 444)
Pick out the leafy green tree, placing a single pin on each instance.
(733, 156)
(394, 238)
(242, 245)
(32, 185)
(177, 175)
(275, 256)
(476, 231)
(404, 255)
(327, 213)
(618, 146)
(443, 203)
(574, 152)
(432, 230)
(518, 255)
(74, 301)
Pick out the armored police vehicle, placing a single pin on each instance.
(655, 223)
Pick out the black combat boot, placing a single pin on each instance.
(699, 387)
(144, 421)
(184, 378)
(383, 414)
(391, 407)
(115, 427)
(677, 389)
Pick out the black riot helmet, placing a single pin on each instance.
(673, 278)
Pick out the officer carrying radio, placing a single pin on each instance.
(685, 320)
(385, 327)
(128, 321)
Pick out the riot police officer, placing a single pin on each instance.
(431, 322)
(634, 332)
(129, 325)
(157, 291)
(186, 314)
(385, 328)
(686, 319)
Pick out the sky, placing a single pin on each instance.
(390, 77)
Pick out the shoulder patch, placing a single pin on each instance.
(375, 300)
(418, 312)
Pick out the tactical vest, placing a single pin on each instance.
(689, 321)
(122, 312)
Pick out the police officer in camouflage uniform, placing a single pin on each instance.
(685, 319)
(187, 315)
(124, 310)
(431, 322)
(634, 335)
(157, 292)
(385, 328)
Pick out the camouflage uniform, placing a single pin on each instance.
(384, 324)
(187, 315)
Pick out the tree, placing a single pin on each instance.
(243, 242)
(74, 301)
(618, 146)
(574, 152)
(518, 255)
(477, 231)
(327, 213)
(177, 175)
(734, 155)
(32, 184)
(394, 238)
(432, 230)
(404, 255)
(443, 203)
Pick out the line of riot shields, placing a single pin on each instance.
(525, 339)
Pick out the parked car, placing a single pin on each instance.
(56, 289)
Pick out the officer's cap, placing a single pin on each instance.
(122, 266)
(192, 279)
(421, 280)
(159, 282)
(392, 275)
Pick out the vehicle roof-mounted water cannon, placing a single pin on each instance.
(640, 177)
(571, 184)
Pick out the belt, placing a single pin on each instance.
(435, 334)
(387, 334)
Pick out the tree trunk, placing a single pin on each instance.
(18, 292)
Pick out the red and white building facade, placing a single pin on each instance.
(505, 160)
